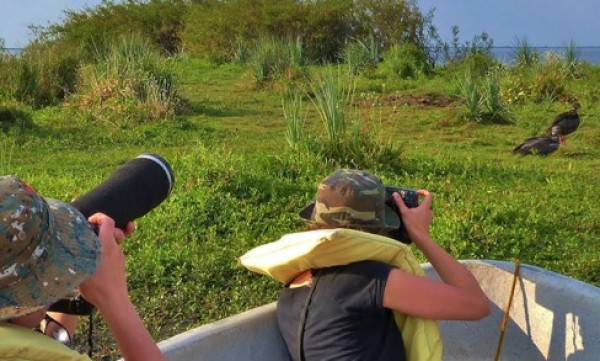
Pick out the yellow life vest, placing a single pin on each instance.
(297, 252)
(21, 344)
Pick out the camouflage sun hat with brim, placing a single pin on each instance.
(47, 248)
(351, 198)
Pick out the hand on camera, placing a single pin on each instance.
(416, 220)
(108, 285)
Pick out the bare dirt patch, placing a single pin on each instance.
(420, 100)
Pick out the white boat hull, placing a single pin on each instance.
(552, 317)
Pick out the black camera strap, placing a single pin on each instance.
(301, 325)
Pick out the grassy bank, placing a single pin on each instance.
(238, 185)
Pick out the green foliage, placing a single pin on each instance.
(524, 54)
(238, 186)
(129, 82)
(359, 55)
(480, 47)
(471, 95)
(13, 115)
(332, 95)
(272, 59)
(391, 22)
(483, 102)
(545, 79)
(160, 21)
(41, 75)
(405, 61)
(571, 55)
(214, 29)
(294, 119)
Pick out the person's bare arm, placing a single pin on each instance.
(457, 297)
(107, 290)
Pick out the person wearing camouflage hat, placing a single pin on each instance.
(345, 311)
(351, 198)
(47, 249)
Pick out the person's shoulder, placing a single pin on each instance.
(19, 343)
(367, 268)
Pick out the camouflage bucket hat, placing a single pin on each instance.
(47, 248)
(351, 197)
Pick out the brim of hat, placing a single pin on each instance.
(391, 221)
(70, 253)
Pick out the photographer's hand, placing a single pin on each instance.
(416, 220)
(107, 290)
(69, 321)
(458, 297)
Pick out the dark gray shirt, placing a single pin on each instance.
(346, 319)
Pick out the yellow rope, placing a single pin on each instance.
(507, 311)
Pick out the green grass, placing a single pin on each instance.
(238, 185)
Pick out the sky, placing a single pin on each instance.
(541, 22)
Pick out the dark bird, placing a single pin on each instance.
(565, 123)
(538, 145)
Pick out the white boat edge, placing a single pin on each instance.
(552, 317)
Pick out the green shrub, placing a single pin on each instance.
(160, 21)
(405, 61)
(42, 75)
(272, 58)
(213, 29)
(129, 82)
(545, 79)
(13, 115)
(359, 55)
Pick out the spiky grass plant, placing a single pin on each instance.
(294, 118)
(470, 94)
(332, 94)
(492, 98)
(348, 142)
(524, 54)
(361, 55)
(272, 58)
(571, 55)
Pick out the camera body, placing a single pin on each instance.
(411, 199)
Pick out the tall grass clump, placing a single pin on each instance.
(332, 95)
(483, 100)
(571, 57)
(469, 92)
(492, 100)
(41, 75)
(130, 81)
(272, 58)
(348, 143)
(361, 55)
(524, 54)
(294, 119)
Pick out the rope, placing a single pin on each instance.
(507, 311)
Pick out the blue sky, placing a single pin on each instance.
(542, 22)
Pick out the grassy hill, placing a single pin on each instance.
(239, 184)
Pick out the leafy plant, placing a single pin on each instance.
(405, 61)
